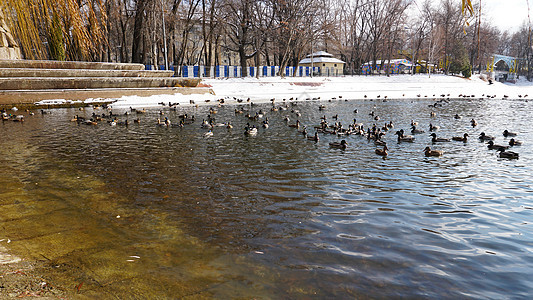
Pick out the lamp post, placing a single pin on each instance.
(312, 55)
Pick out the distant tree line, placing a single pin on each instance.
(262, 32)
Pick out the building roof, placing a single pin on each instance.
(320, 53)
(321, 57)
(321, 60)
(393, 61)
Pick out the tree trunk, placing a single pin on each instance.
(137, 54)
(242, 56)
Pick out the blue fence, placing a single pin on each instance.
(236, 71)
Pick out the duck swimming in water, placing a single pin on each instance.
(296, 125)
(508, 154)
(493, 146)
(382, 152)
(342, 145)
(414, 130)
(507, 133)
(484, 137)
(250, 130)
(428, 152)
(463, 139)
(433, 128)
(314, 138)
(514, 142)
(404, 138)
(435, 139)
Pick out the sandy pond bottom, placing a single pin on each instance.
(152, 212)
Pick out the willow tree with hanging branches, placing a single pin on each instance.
(466, 7)
(58, 29)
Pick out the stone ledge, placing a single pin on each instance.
(28, 98)
(33, 72)
(43, 83)
(53, 64)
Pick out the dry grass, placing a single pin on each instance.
(57, 29)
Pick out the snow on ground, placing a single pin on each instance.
(325, 88)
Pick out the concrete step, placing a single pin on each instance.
(53, 64)
(34, 72)
(27, 98)
(50, 83)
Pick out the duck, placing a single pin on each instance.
(507, 133)
(463, 139)
(484, 137)
(313, 138)
(404, 138)
(514, 142)
(433, 128)
(77, 119)
(123, 123)
(429, 152)
(457, 117)
(208, 134)
(414, 130)
(338, 145)
(296, 125)
(473, 123)
(382, 152)
(250, 130)
(89, 122)
(493, 146)
(166, 122)
(18, 118)
(206, 125)
(435, 139)
(380, 143)
(304, 131)
(508, 154)
(228, 125)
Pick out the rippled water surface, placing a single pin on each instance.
(144, 211)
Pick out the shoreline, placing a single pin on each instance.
(264, 89)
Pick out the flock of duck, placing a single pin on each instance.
(258, 118)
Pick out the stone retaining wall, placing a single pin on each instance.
(9, 48)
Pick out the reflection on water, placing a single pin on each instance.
(167, 212)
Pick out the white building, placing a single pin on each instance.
(327, 64)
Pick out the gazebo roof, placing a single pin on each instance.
(320, 54)
(321, 57)
(321, 60)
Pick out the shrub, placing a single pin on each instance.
(467, 71)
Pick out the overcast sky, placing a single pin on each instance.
(505, 14)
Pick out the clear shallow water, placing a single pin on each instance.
(277, 216)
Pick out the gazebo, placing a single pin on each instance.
(326, 63)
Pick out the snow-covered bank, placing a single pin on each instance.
(324, 88)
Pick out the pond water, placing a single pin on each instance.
(149, 211)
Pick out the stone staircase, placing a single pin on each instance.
(30, 81)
